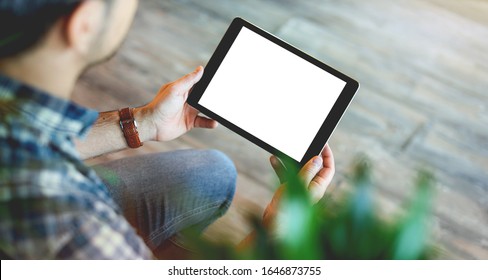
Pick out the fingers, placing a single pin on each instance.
(323, 178)
(328, 157)
(184, 84)
(310, 169)
(318, 173)
(279, 168)
(203, 122)
(200, 121)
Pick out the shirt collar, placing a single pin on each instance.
(43, 110)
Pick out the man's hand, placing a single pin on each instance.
(170, 114)
(165, 118)
(317, 174)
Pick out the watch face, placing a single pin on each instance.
(135, 123)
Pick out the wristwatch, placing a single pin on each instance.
(129, 126)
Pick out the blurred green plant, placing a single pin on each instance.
(348, 229)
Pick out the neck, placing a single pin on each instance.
(51, 72)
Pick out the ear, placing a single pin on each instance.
(84, 25)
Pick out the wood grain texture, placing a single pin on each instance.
(423, 102)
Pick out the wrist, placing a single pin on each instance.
(145, 123)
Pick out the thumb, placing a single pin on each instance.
(310, 169)
(279, 168)
(185, 83)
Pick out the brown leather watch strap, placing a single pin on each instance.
(129, 126)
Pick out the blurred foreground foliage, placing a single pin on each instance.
(350, 229)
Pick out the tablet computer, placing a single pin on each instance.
(271, 93)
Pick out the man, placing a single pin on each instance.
(51, 204)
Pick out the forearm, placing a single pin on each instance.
(106, 136)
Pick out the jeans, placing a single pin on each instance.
(165, 193)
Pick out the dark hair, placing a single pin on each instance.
(23, 23)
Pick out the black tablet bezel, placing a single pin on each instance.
(329, 123)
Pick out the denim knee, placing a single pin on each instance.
(221, 175)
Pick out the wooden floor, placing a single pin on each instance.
(423, 66)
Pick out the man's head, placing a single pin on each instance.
(85, 31)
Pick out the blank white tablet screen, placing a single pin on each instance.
(272, 93)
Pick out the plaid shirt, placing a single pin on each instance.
(52, 206)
